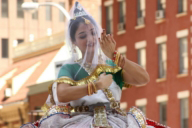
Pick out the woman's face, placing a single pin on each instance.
(86, 38)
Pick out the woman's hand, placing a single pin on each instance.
(107, 44)
(104, 81)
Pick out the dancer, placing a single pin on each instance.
(88, 90)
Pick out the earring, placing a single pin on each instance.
(74, 48)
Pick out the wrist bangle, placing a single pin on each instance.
(94, 87)
(91, 88)
(88, 88)
(122, 62)
(116, 57)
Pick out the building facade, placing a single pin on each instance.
(18, 26)
(32, 51)
(156, 34)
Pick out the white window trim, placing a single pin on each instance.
(185, 5)
(141, 102)
(161, 39)
(183, 94)
(141, 44)
(123, 105)
(143, 4)
(121, 32)
(122, 49)
(182, 33)
(162, 98)
(108, 3)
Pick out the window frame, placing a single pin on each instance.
(5, 54)
(20, 12)
(181, 111)
(182, 55)
(161, 105)
(139, 58)
(161, 60)
(4, 8)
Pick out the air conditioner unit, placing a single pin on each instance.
(160, 14)
(8, 92)
(121, 26)
(140, 21)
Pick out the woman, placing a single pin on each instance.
(87, 92)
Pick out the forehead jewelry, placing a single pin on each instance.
(86, 20)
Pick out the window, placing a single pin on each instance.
(162, 60)
(160, 13)
(184, 113)
(5, 48)
(35, 14)
(159, 5)
(183, 56)
(37, 114)
(122, 18)
(182, 6)
(163, 112)
(61, 15)
(19, 41)
(140, 12)
(20, 13)
(109, 20)
(142, 57)
(143, 109)
(48, 13)
(4, 8)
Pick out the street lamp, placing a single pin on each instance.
(34, 5)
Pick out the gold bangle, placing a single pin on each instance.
(89, 91)
(117, 58)
(91, 88)
(94, 87)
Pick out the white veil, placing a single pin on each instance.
(91, 34)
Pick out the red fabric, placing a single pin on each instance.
(36, 123)
(155, 124)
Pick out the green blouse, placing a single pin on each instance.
(70, 70)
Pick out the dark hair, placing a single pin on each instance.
(74, 24)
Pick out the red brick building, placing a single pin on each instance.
(157, 35)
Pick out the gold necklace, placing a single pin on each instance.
(86, 66)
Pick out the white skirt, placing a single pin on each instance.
(85, 120)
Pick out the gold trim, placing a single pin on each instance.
(45, 108)
(139, 116)
(51, 95)
(113, 104)
(94, 75)
(100, 117)
(126, 85)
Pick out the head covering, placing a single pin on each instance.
(90, 53)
